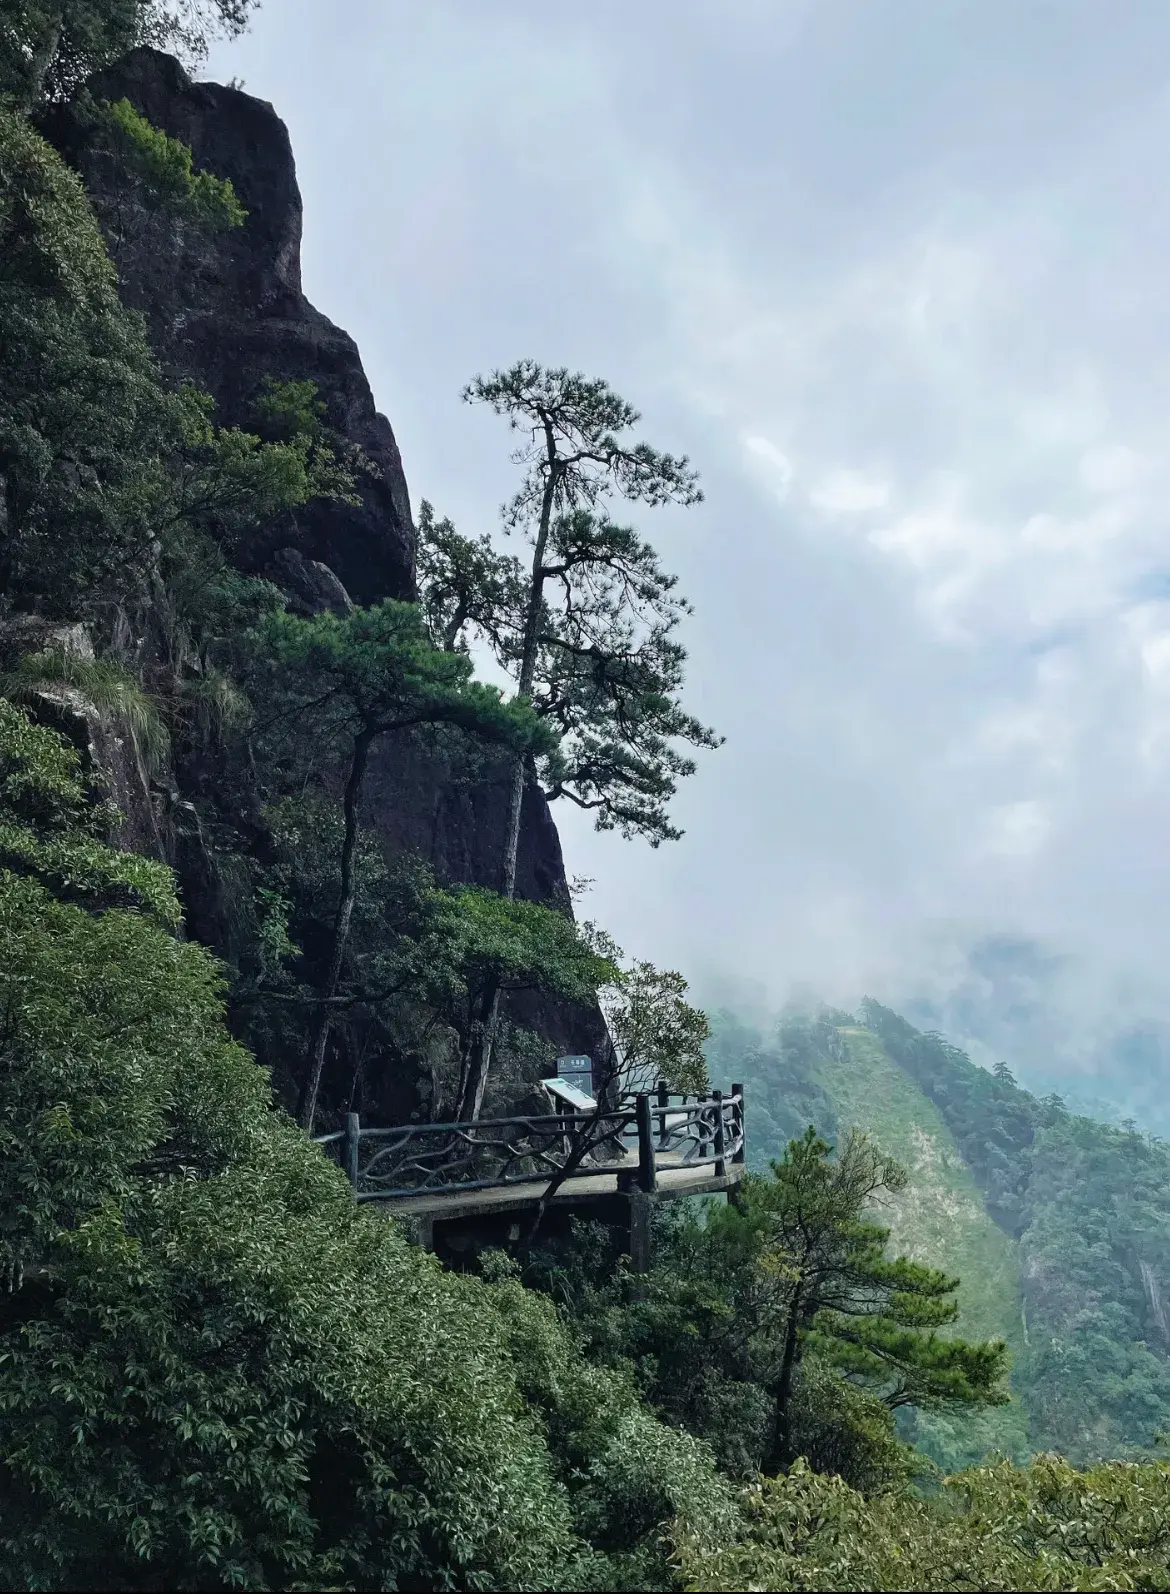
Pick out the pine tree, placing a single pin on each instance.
(587, 629)
(374, 673)
(825, 1284)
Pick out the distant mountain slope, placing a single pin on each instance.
(1059, 1226)
(1102, 1040)
(1091, 1205)
(941, 1219)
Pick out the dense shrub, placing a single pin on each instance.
(215, 1369)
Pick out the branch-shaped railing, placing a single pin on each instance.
(643, 1133)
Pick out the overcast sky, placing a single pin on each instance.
(895, 274)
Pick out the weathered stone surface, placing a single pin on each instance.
(107, 749)
(310, 586)
(226, 311)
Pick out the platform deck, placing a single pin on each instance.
(675, 1179)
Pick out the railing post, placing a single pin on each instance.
(740, 1154)
(353, 1131)
(720, 1139)
(663, 1099)
(647, 1167)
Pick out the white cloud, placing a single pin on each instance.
(1016, 830)
(1109, 468)
(849, 492)
(771, 463)
(815, 263)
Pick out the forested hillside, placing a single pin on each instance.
(272, 856)
(1059, 1225)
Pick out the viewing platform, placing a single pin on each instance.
(608, 1165)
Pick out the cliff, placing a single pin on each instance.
(226, 311)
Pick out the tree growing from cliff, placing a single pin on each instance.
(419, 957)
(371, 674)
(49, 47)
(587, 628)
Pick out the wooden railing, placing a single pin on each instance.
(642, 1134)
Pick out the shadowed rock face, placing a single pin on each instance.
(225, 311)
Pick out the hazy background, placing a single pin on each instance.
(894, 273)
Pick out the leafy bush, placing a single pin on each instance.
(165, 168)
(1001, 1527)
(215, 1369)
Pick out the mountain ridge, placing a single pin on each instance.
(1058, 1225)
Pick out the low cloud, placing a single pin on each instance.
(920, 350)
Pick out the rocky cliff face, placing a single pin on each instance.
(226, 311)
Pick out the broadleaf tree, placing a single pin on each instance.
(49, 47)
(655, 1036)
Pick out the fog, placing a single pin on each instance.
(893, 273)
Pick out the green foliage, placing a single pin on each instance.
(833, 1289)
(1043, 1527)
(781, 1078)
(293, 412)
(215, 1369)
(225, 482)
(290, 409)
(589, 632)
(843, 1430)
(369, 674)
(586, 458)
(657, 1035)
(626, 1472)
(40, 782)
(521, 945)
(374, 670)
(463, 583)
(1095, 1255)
(80, 405)
(993, 1120)
(1091, 1206)
(777, 1327)
(47, 49)
(99, 463)
(102, 683)
(416, 961)
(50, 828)
(165, 171)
